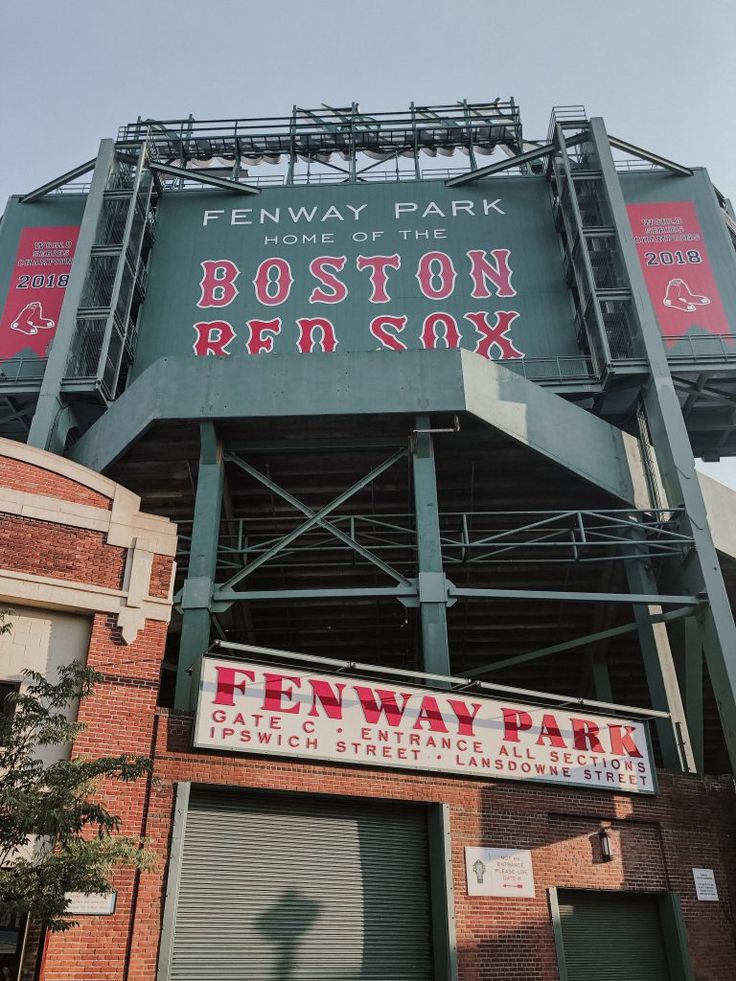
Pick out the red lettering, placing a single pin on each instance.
(262, 334)
(430, 713)
(331, 698)
(514, 722)
(306, 341)
(213, 338)
(275, 693)
(378, 264)
(271, 290)
(217, 285)
(429, 335)
(427, 273)
(465, 715)
(495, 334)
(226, 686)
(319, 268)
(378, 329)
(386, 705)
(622, 743)
(498, 272)
(551, 731)
(585, 735)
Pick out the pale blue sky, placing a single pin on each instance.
(662, 73)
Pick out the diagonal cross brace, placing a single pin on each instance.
(316, 518)
(570, 645)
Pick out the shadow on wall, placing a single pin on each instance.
(284, 924)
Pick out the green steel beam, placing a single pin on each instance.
(49, 426)
(197, 591)
(368, 592)
(570, 645)
(173, 880)
(516, 161)
(659, 667)
(197, 175)
(442, 893)
(497, 168)
(636, 151)
(441, 381)
(315, 519)
(309, 512)
(694, 689)
(58, 182)
(597, 654)
(578, 441)
(117, 314)
(647, 599)
(432, 583)
(699, 571)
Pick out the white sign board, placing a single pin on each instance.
(245, 707)
(705, 885)
(499, 872)
(91, 904)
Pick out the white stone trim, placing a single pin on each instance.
(124, 525)
(59, 594)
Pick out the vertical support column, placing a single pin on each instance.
(432, 584)
(693, 681)
(198, 586)
(47, 430)
(659, 666)
(601, 678)
(173, 880)
(442, 893)
(699, 571)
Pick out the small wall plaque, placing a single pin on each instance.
(91, 904)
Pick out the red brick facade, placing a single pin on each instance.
(656, 841)
(41, 548)
(120, 718)
(121, 714)
(20, 476)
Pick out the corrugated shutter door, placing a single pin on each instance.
(612, 936)
(285, 887)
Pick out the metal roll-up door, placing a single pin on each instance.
(612, 936)
(277, 887)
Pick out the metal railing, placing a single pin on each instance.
(16, 371)
(552, 370)
(467, 538)
(701, 347)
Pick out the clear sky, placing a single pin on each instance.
(662, 73)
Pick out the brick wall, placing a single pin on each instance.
(120, 717)
(656, 842)
(42, 548)
(16, 475)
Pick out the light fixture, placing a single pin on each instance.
(606, 853)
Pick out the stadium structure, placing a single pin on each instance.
(442, 684)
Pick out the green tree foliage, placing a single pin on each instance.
(56, 834)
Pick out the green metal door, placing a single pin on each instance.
(289, 887)
(612, 936)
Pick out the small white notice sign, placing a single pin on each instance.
(705, 885)
(499, 872)
(91, 904)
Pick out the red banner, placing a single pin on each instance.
(36, 292)
(677, 269)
